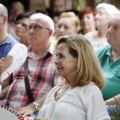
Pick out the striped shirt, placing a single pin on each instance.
(42, 76)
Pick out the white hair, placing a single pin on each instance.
(3, 10)
(111, 10)
(45, 18)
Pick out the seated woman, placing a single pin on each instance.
(105, 12)
(79, 97)
(21, 28)
(87, 18)
(67, 24)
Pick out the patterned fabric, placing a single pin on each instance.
(6, 46)
(42, 77)
(6, 110)
(97, 43)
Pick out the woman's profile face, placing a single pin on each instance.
(65, 62)
(101, 18)
(21, 27)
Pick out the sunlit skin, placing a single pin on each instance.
(65, 62)
(65, 26)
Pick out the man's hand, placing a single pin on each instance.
(2, 65)
(5, 63)
(4, 92)
(28, 110)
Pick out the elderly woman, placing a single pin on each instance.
(105, 12)
(21, 28)
(109, 57)
(79, 97)
(68, 24)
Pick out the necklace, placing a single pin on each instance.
(62, 91)
(64, 88)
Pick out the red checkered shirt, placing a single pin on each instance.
(42, 77)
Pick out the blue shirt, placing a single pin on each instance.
(6, 46)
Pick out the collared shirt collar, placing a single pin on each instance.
(8, 40)
(50, 50)
(108, 52)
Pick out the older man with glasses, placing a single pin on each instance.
(42, 75)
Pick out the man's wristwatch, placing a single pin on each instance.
(37, 106)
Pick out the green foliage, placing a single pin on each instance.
(115, 111)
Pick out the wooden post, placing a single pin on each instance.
(90, 3)
(116, 3)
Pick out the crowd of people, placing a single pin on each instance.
(59, 64)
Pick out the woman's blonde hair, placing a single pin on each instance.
(72, 16)
(88, 66)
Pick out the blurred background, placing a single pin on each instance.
(75, 5)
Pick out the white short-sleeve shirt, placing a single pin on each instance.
(19, 53)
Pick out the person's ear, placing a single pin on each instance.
(50, 32)
(4, 19)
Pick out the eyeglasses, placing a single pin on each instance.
(36, 27)
(22, 24)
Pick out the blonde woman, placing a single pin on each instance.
(79, 97)
(67, 24)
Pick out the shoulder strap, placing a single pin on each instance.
(26, 80)
(27, 85)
